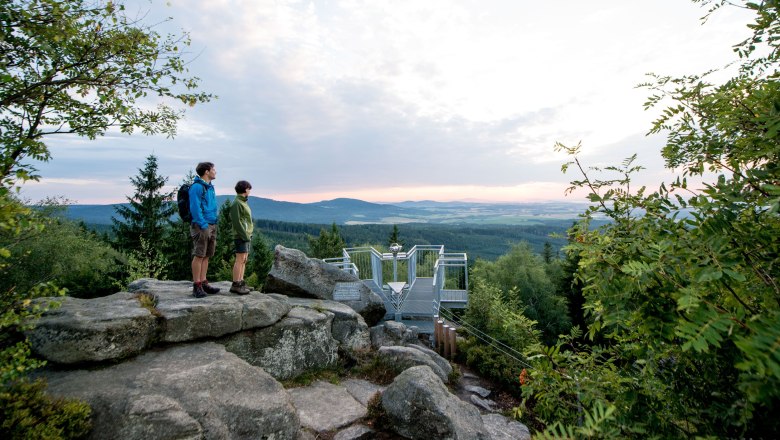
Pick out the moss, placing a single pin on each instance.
(332, 375)
(375, 369)
(149, 302)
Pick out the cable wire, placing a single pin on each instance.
(489, 340)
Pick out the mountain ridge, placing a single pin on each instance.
(347, 211)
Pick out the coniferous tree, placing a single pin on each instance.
(148, 213)
(261, 257)
(547, 253)
(328, 244)
(393, 236)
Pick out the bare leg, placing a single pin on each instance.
(204, 268)
(241, 264)
(237, 268)
(197, 269)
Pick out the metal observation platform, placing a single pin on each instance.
(415, 284)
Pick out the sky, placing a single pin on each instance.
(388, 101)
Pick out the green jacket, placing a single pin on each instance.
(241, 219)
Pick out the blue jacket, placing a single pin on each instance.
(203, 208)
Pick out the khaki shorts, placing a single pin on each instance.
(204, 242)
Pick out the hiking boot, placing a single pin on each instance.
(197, 291)
(243, 283)
(208, 289)
(238, 288)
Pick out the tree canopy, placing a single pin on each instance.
(82, 67)
(328, 244)
(682, 288)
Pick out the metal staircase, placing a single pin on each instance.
(424, 279)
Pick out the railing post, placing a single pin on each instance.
(435, 330)
(445, 331)
(376, 269)
(451, 342)
(466, 274)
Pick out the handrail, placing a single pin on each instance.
(436, 268)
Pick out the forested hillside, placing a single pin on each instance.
(479, 241)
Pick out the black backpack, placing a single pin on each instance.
(183, 200)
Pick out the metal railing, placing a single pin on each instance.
(449, 272)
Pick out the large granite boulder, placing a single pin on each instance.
(89, 330)
(186, 318)
(393, 333)
(418, 406)
(348, 328)
(442, 363)
(300, 342)
(405, 357)
(294, 274)
(195, 391)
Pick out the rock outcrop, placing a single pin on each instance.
(419, 406)
(285, 336)
(392, 333)
(189, 391)
(186, 318)
(294, 274)
(155, 362)
(93, 330)
(349, 328)
(405, 357)
(300, 342)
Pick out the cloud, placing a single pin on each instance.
(355, 96)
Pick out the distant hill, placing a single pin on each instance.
(346, 211)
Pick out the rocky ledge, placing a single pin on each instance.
(154, 362)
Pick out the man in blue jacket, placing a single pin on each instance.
(203, 229)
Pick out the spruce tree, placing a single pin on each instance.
(328, 244)
(148, 212)
(393, 237)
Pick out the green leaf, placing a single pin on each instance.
(709, 274)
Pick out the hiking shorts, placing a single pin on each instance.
(204, 241)
(242, 247)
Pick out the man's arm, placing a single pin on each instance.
(196, 205)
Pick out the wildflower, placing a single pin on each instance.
(523, 377)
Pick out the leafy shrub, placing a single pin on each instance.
(523, 281)
(61, 251)
(27, 412)
(489, 362)
(489, 317)
(682, 287)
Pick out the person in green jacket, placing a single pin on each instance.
(241, 220)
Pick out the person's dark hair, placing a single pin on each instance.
(203, 167)
(242, 186)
